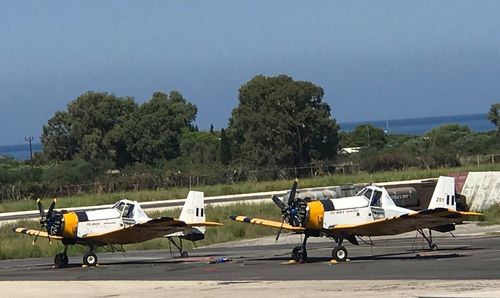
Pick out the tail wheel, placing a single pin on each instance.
(184, 254)
(433, 247)
(61, 260)
(339, 253)
(90, 259)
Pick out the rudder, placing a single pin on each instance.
(193, 210)
(444, 194)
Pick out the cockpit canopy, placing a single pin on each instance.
(129, 209)
(373, 194)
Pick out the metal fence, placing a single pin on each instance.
(119, 182)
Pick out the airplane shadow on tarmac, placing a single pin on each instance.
(456, 252)
(416, 254)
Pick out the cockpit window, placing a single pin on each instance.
(376, 199)
(119, 206)
(368, 193)
(361, 192)
(127, 212)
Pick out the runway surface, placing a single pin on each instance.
(463, 258)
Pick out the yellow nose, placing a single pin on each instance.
(316, 213)
(70, 225)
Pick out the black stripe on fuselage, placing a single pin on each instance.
(327, 205)
(82, 216)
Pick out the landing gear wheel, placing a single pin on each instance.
(299, 254)
(184, 254)
(339, 253)
(302, 255)
(90, 259)
(294, 253)
(61, 260)
(433, 247)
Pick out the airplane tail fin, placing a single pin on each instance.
(444, 194)
(192, 212)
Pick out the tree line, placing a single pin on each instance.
(279, 123)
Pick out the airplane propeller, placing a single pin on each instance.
(45, 217)
(294, 211)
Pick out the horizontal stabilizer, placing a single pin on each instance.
(205, 224)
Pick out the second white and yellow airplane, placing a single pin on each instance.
(371, 212)
(124, 223)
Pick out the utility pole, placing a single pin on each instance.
(29, 139)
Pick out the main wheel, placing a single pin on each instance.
(433, 247)
(61, 260)
(184, 254)
(339, 253)
(90, 259)
(294, 253)
(302, 255)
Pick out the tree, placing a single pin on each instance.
(368, 135)
(225, 148)
(153, 131)
(281, 122)
(494, 116)
(199, 151)
(85, 130)
(57, 139)
(446, 136)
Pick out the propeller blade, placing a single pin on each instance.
(40, 208)
(278, 202)
(293, 191)
(281, 227)
(36, 237)
(51, 208)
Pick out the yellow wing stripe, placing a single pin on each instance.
(265, 222)
(470, 213)
(31, 232)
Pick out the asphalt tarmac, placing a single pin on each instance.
(461, 258)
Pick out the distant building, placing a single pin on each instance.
(349, 150)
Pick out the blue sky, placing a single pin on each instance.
(375, 59)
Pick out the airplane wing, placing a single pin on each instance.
(267, 223)
(36, 233)
(430, 218)
(390, 226)
(154, 228)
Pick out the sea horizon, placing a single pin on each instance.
(422, 125)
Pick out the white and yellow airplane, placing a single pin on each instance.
(371, 212)
(124, 223)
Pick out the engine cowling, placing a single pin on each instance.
(314, 215)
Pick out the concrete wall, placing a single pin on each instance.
(482, 189)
